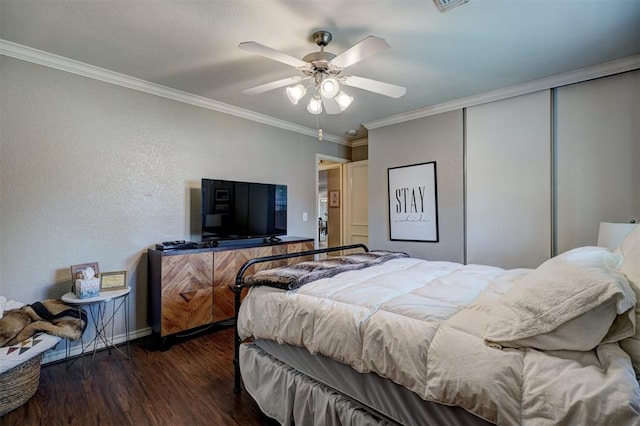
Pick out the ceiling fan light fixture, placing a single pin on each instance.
(315, 105)
(323, 72)
(343, 100)
(329, 87)
(295, 93)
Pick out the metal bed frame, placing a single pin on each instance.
(239, 286)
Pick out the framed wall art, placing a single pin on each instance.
(334, 198)
(413, 203)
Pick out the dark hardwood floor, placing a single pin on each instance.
(190, 384)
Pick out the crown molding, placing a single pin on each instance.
(25, 53)
(617, 66)
(359, 142)
(51, 60)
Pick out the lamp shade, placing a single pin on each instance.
(343, 100)
(315, 105)
(329, 87)
(611, 234)
(295, 93)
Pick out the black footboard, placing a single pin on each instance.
(239, 286)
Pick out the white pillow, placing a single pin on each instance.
(573, 301)
(630, 250)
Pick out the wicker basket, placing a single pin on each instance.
(19, 384)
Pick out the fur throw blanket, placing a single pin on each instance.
(50, 316)
(293, 276)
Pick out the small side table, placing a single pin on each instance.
(97, 311)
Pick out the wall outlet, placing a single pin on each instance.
(305, 216)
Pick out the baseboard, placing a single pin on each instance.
(59, 351)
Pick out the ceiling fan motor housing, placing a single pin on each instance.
(320, 61)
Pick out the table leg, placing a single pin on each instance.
(97, 311)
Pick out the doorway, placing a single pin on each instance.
(329, 213)
(323, 208)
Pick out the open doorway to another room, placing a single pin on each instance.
(323, 208)
(329, 214)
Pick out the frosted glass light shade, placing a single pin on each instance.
(343, 100)
(329, 87)
(315, 105)
(611, 234)
(295, 93)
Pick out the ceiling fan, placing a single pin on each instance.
(322, 73)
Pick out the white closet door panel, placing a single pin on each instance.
(598, 157)
(508, 181)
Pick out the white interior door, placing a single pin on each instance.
(356, 211)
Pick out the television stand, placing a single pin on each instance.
(273, 239)
(190, 291)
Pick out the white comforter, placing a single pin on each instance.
(423, 325)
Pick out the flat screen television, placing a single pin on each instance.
(237, 210)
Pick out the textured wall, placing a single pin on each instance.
(437, 138)
(359, 153)
(90, 171)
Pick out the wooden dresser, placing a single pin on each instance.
(191, 289)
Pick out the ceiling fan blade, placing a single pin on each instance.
(375, 86)
(270, 86)
(360, 51)
(268, 52)
(331, 106)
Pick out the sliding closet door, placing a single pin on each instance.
(598, 157)
(508, 181)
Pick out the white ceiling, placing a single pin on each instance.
(192, 45)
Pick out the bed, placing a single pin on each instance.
(414, 342)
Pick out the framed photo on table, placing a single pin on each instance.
(76, 270)
(413, 203)
(113, 280)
